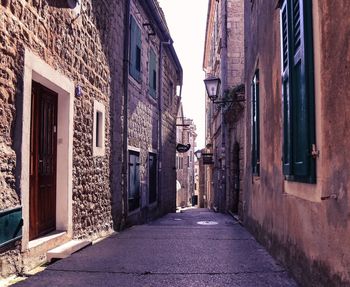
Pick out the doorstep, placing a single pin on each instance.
(67, 249)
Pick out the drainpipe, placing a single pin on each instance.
(223, 72)
(125, 112)
(160, 117)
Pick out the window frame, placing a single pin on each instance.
(99, 129)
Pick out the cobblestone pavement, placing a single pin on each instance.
(172, 251)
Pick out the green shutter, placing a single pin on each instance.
(297, 89)
(135, 49)
(300, 130)
(10, 226)
(152, 73)
(138, 51)
(287, 165)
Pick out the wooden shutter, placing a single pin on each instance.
(297, 89)
(300, 130)
(134, 181)
(255, 125)
(135, 49)
(287, 165)
(138, 51)
(152, 73)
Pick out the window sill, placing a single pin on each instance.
(153, 100)
(135, 81)
(306, 191)
(153, 205)
(133, 212)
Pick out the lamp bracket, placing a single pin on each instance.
(228, 101)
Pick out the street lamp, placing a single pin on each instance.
(212, 85)
(198, 154)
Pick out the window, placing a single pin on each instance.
(135, 50)
(134, 181)
(98, 145)
(255, 125)
(298, 91)
(152, 74)
(152, 163)
(99, 128)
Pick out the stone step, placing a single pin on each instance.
(67, 249)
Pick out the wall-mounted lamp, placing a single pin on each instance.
(212, 85)
(198, 154)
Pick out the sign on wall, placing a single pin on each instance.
(181, 148)
(207, 158)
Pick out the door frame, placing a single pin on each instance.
(35, 69)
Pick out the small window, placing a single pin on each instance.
(99, 129)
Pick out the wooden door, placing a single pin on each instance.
(134, 181)
(152, 197)
(43, 158)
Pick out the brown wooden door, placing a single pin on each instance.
(43, 157)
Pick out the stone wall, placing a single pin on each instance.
(144, 117)
(89, 51)
(224, 57)
(170, 102)
(234, 113)
(235, 42)
(305, 226)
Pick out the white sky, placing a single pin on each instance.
(187, 22)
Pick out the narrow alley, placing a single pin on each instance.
(192, 248)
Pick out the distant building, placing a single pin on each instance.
(186, 132)
(224, 58)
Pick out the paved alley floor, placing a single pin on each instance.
(172, 251)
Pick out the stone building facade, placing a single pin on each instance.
(48, 49)
(67, 106)
(185, 175)
(224, 58)
(152, 112)
(297, 175)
